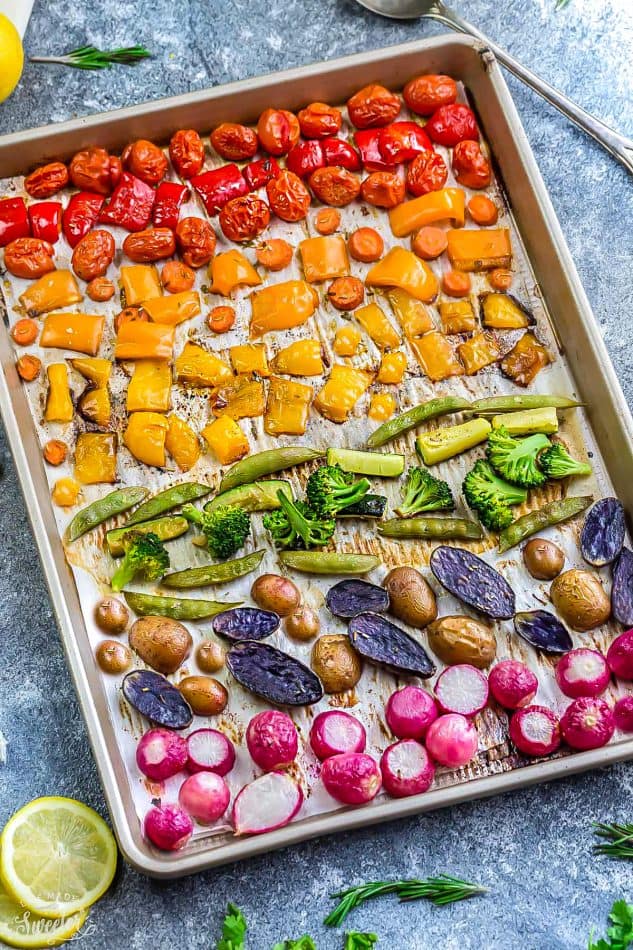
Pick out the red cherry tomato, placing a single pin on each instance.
(278, 130)
(373, 106)
(427, 172)
(402, 141)
(470, 165)
(425, 94)
(243, 218)
(341, 153)
(452, 124)
(305, 157)
(319, 120)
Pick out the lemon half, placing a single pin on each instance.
(11, 57)
(20, 927)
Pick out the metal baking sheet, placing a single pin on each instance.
(552, 289)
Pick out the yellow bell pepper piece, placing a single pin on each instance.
(94, 405)
(401, 268)
(199, 367)
(381, 406)
(226, 440)
(240, 398)
(145, 437)
(95, 370)
(480, 350)
(174, 308)
(282, 306)
(392, 367)
(481, 249)
(375, 323)
(324, 258)
(412, 315)
(287, 408)
(53, 291)
(95, 457)
(436, 356)
(342, 391)
(457, 316)
(150, 387)
(139, 282)
(140, 340)
(230, 270)
(59, 404)
(347, 340)
(250, 358)
(66, 492)
(182, 443)
(302, 358)
(80, 332)
(445, 204)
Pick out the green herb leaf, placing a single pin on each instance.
(354, 940)
(620, 935)
(233, 930)
(616, 840)
(440, 890)
(303, 943)
(89, 57)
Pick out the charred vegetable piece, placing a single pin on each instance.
(622, 588)
(543, 631)
(490, 405)
(246, 623)
(429, 527)
(547, 516)
(603, 532)
(103, 508)
(504, 312)
(525, 360)
(214, 573)
(424, 492)
(408, 420)
(474, 582)
(265, 463)
(371, 506)
(516, 459)
(556, 462)
(178, 608)
(166, 500)
(328, 562)
(166, 529)
(157, 699)
(381, 641)
(352, 597)
(273, 675)
(258, 496)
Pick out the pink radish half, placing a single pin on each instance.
(210, 751)
(352, 778)
(620, 655)
(535, 730)
(587, 723)
(267, 803)
(623, 714)
(334, 732)
(161, 753)
(204, 796)
(462, 689)
(168, 827)
(582, 672)
(272, 740)
(452, 740)
(406, 769)
(512, 684)
(410, 711)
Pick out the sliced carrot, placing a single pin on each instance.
(327, 220)
(456, 283)
(177, 277)
(221, 319)
(100, 288)
(500, 278)
(274, 254)
(429, 243)
(130, 315)
(28, 367)
(483, 210)
(24, 332)
(366, 245)
(55, 452)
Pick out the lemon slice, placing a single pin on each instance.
(57, 857)
(11, 57)
(20, 927)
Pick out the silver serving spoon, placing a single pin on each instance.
(618, 145)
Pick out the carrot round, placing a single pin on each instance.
(500, 278)
(456, 283)
(24, 331)
(327, 220)
(483, 210)
(221, 319)
(274, 254)
(55, 452)
(28, 367)
(429, 243)
(366, 245)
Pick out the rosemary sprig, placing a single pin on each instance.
(616, 840)
(443, 889)
(89, 57)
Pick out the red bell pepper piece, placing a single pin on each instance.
(219, 185)
(305, 157)
(339, 152)
(14, 220)
(258, 173)
(46, 220)
(169, 198)
(81, 215)
(130, 206)
(402, 141)
(372, 158)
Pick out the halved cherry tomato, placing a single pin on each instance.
(339, 152)
(145, 160)
(365, 245)
(196, 241)
(130, 315)
(274, 254)
(373, 106)
(46, 180)
(327, 220)
(318, 120)
(346, 293)
(452, 124)
(94, 169)
(334, 186)
(242, 219)
(55, 452)
(278, 130)
(456, 283)
(28, 367)
(100, 288)
(221, 319)
(177, 277)
(234, 142)
(383, 189)
(186, 151)
(29, 258)
(425, 94)
(260, 172)
(427, 172)
(500, 278)
(288, 196)
(483, 210)
(429, 243)
(402, 141)
(24, 331)
(305, 157)
(470, 166)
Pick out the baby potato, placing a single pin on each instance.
(543, 559)
(113, 656)
(206, 695)
(111, 615)
(162, 643)
(336, 663)
(410, 596)
(210, 656)
(580, 599)
(460, 639)
(276, 593)
(303, 623)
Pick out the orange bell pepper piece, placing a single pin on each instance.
(140, 340)
(182, 443)
(226, 440)
(174, 308)
(199, 367)
(401, 268)
(59, 404)
(95, 457)
(145, 437)
(288, 407)
(282, 306)
(250, 358)
(375, 323)
(51, 292)
(392, 367)
(66, 492)
(346, 341)
(80, 332)
(381, 406)
(412, 315)
(342, 391)
(324, 258)
(150, 387)
(482, 249)
(436, 356)
(139, 282)
(230, 270)
(445, 204)
(302, 358)
(96, 371)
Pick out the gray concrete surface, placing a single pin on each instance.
(533, 848)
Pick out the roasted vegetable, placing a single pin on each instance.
(543, 631)
(225, 528)
(329, 562)
(436, 356)
(489, 405)
(382, 464)
(242, 397)
(438, 445)
(556, 462)
(460, 639)
(245, 623)
(381, 641)
(526, 358)
(330, 490)
(491, 497)
(145, 554)
(603, 532)
(182, 443)
(178, 608)
(157, 699)
(424, 492)
(527, 422)
(431, 528)
(516, 459)
(622, 588)
(103, 508)
(504, 312)
(165, 529)
(297, 525)
(371, 506)
(226, 439)
(411, 598)
(167, 500)
(479, 249)
(444, 405)
(276, 593)
(534, 521)
(473, 581)
(349, 598)
(273, 675)
(543, 559)
(302, 358)
(214, 573)
(336, 663)
(258, 496)
(401, 268)
(267, 462)
(95, 457)
(580, 599)
(341, 392)
(287, 407)
(162, 643)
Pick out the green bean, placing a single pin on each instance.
(164, 528)
(328, 562)
(432, 409)
(168, 499)
(542, 518)
(214, 573)
(103, 508)
(178, 608)
(443, 528)
(267, 462)
(494, 404)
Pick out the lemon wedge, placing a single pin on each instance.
(11, 57)
(57, 857)
(20, 927)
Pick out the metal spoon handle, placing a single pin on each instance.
(618, 145)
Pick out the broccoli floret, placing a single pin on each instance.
(330, 490)
(556, 462)
(225, 527)
(491, 497)
(515, 459)
(424, 492)
(145, 554)
(296, 525)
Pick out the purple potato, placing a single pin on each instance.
(622, 588)
(381, 641)
(157, 699)
(603, 532)
(352, 597)
(543, 631)
(245, 623)
(273, 675)
(474, 582)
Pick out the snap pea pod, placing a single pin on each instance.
(166, 500)
(267, 462)
(490, 405)
(442, 528)
(432, 409)
(328, 562)
(546, 517)
(214, 573)
(258, 496)
(178, 608)
(103, 508)
(166, 529)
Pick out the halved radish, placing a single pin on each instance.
(267, 803)
(335, 731)
(210, 751)
(462, 689)
(535, 730)
(161, 753)
(406, 769)
(582, 672)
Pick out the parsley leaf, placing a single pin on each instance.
(233, 930)
(303, 943)
(620, 935)
(358, 941)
